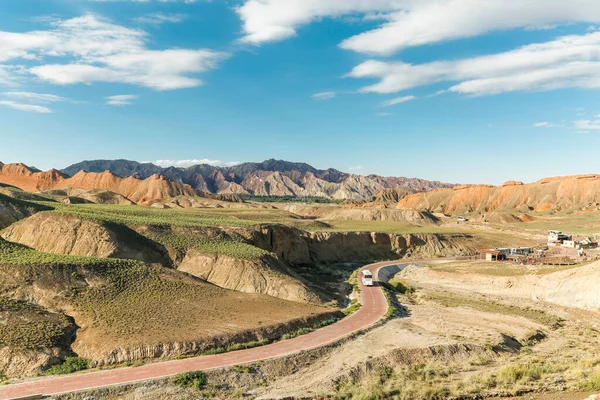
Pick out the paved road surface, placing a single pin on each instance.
(374, 307)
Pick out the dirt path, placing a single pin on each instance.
(374, 307)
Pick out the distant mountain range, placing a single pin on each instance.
(269, 178)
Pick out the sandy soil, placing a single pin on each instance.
(428, 325)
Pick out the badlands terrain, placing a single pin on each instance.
(112, 264)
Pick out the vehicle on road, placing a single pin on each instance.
(367, 277)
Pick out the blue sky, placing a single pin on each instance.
(451, 90)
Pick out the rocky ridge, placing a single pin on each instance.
(269, 178)
(556, 193)
(141, 191)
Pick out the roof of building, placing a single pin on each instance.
(489, 251)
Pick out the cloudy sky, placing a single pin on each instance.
(452, 90)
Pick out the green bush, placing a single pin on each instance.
(402, 288)
(70, 365)
(193, 379)
(592, 384)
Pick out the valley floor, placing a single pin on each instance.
(448, 341)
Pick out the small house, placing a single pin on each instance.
(492, 255)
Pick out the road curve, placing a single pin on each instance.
(374, 307)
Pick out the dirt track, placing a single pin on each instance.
(374, 307)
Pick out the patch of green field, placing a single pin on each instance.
(229, 247)
(15, 254)
(26, 326)
(490, 306)
(191, 217)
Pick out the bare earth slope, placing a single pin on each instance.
(571, 288)
(558, 193)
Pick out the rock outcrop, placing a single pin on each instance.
(95, 196)
(298, 247)
(558, 193)
(265, 275)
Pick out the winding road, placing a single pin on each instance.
(374, 307)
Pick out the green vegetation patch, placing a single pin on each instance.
(232, 247)
(26, 326)
(194, 379)
(70, 365)
(190, 217)
(16, 254)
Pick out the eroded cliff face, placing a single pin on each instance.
(62, 234)
(14, 363)
(299, 247)
(266, 275)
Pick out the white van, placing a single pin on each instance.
(367, 277)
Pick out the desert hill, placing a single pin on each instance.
(29, 179)
(267, 178)
(556, 193)
(119, 310)
(142, 191)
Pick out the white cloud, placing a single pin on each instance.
(189, 163)
(99, 51)
(160, 18)
(121, 100)
(542, 125)
(273, 20)
(148, 1)
(408, 23)
(356, 168)
(397, 100)
(25, 107)
(34, 97)
(587, 125)
(569, 61)
(383, 114)
(324, 96)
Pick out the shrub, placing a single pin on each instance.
(193, 379)
(402, 288)
(521, 374)
(591, 384)
(70, 365)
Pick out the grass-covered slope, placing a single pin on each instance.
(127, 310)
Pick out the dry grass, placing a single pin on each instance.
(498, 268)
(449, 299)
